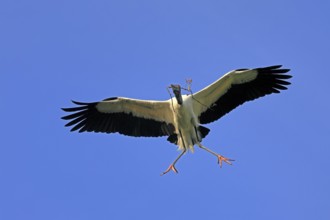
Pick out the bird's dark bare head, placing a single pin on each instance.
(177, 92)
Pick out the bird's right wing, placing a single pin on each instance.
(237, 87)
(126, 116)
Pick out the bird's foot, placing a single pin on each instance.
(224, 159)
(171, 167)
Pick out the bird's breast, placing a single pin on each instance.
(184, 113)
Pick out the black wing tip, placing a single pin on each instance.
(73, 109)
(81, 106)
(73, 129)
(66, 109)
(77, 115)
(286, 76)
(65, 117)
(273, 67)
(281, 70)
(80, 103)
(276, 71)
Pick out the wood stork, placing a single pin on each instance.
(180, 118)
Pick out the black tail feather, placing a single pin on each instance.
(203, 130)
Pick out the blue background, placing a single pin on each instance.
(55, 51)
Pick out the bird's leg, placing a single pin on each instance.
(172, 166)
(220, 157)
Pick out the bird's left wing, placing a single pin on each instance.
(237, 87)
(126, 116)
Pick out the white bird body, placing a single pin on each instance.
(185, 117)
(181, 117)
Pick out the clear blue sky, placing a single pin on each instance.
(55, 51)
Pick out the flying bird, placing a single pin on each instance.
(182, 117)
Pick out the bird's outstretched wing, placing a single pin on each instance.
(126, 116)
(237, 87)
